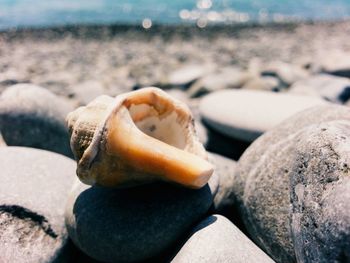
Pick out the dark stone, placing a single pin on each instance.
(224, 145)
(31, 116)
(126, 225)
(344, 96)
(34, 186)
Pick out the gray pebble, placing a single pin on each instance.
(291, 184)
(34, 117)
(34, 186)
(331, 88)
(126, 225)
(216, 239)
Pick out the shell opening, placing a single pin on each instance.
(164, 126)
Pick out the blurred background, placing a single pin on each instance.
(28, 13)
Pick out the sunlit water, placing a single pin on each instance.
(29, 13)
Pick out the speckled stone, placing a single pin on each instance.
(34, 187)
(293, 184)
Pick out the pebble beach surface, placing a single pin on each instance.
(270, 104)
(118, 58)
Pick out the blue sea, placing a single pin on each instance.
(44, 13)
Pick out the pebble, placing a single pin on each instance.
(127, 225)
(216, 239)
(285, 72)
(246, 114)
(266, 83)
(34, 187)
(335, 62)
(331, 88)
(293, 187)
(187, 74)
(226, 78)
(34, 117)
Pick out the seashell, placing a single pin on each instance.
(135, 138)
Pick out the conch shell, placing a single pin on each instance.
(135, 138)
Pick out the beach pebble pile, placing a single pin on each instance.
(277, 133)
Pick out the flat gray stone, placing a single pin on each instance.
(226, 78)
(216, 239)
(334, 62)
(32, 116)
(34, 187)
(285, 72)
(331, 88)
(292, 185)
(187, 74)
(127, 225)
(264, 83)
(246, 114)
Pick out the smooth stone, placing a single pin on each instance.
(331, 88)
(87, 91)
(11, 77)
(187, 74)
(286, 73)
(246, 114)
(32, 116)
(335, 62)
(34, 187)
(293, 187)
(226, 78)
(140, 223)
(262, 83)
(216, 239)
